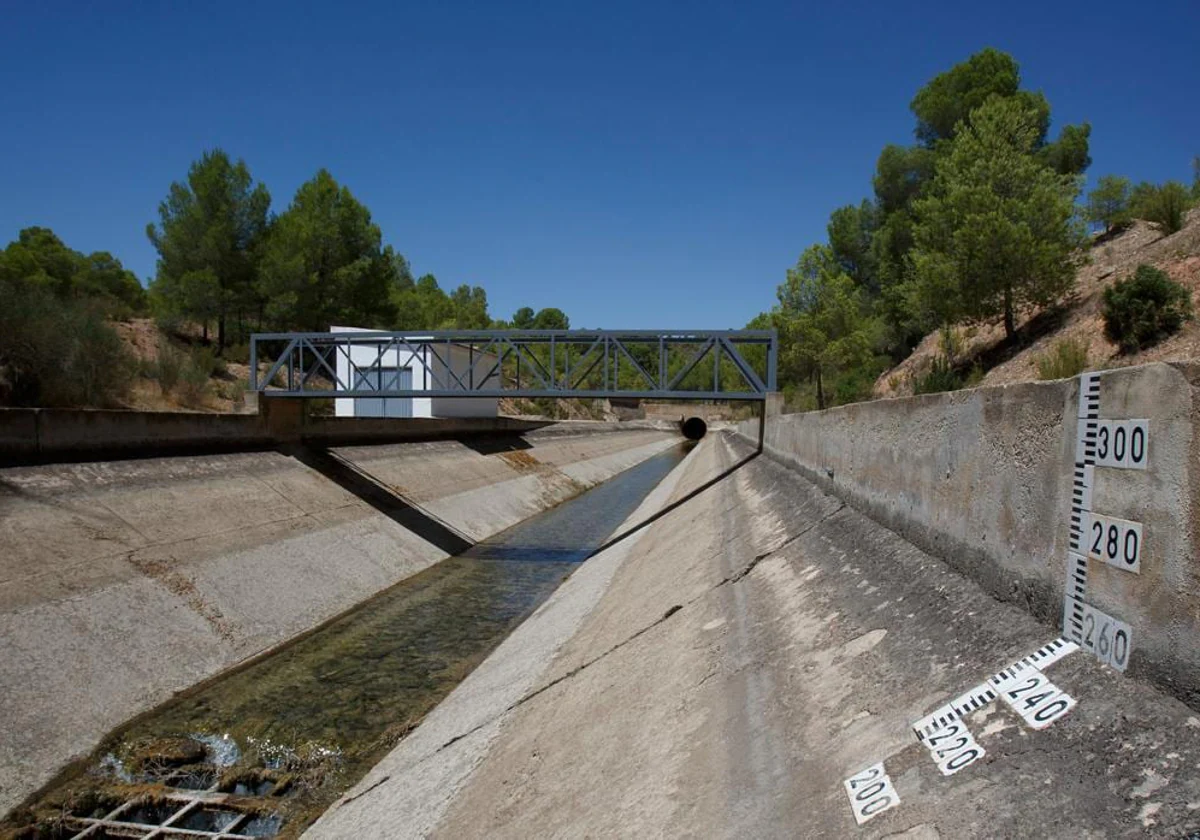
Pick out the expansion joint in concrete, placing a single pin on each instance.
(749, 567)
(568, 675)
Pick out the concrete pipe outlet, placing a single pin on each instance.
(693, 428)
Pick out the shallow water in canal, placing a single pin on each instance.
(287, 734)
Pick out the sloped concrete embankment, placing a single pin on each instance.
(123, 582)
(723, 671)
(983, 478)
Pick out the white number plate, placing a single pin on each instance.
(871, 793)
(1117, 542)
(1123, 443)
(1109, 639)
(953, 748)
(1037, 700)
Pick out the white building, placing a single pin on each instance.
(411, 368)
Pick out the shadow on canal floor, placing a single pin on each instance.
(381, 497)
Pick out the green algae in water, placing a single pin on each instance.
(319, 713)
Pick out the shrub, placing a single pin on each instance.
(56, 352)
(169, 324)
(207, 360)
(1068, 357)
(193, 387)
(950, 342)
(1164, 206)
(238, 353)
(234, 390)
(167, 367)
(194, 377)
(975, 377)
(854, 385)
(939, 377)
(1143, 309)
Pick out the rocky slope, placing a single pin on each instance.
(1109, 259)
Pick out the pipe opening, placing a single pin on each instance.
(693, 428)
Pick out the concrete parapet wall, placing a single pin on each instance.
(68, 434)
(123, 582)
(983, 478)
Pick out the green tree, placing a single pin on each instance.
(470, 308)
(850, 230)
(900, 174)
(1068, 155)
(324, 262)
(948, 99)
(424, 306)
(195, 295)
(1196, 177)
(551, 318)
(821, 316)
(1108, 203)
(996, 229)
(215, 223)
(523, 318)
(103, 276)
(39, 258)
(942, 108)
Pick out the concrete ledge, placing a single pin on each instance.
(55, 435)
(18, 432)
(982, 479)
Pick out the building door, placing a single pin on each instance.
(383, 379)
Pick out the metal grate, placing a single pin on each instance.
(174, 816)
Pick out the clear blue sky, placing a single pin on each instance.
(636, 164)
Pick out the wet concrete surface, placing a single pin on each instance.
(315, 715)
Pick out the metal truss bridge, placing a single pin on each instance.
(644, 364)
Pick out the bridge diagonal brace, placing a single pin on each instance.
(431, 348)
(574, 382)
(487, 348)
(743, 367)
(322, 362)
(636, 365)
(283, 357)
(691, 365)
(535, 364)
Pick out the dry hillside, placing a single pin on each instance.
(225, 393)
(1109, 260)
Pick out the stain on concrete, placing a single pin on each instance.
(164, 570)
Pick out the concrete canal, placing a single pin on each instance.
(262, 750)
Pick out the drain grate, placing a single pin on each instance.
(174, 816)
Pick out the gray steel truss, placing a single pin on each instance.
(645, 364)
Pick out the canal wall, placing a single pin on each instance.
(123, 582)
(983, 480)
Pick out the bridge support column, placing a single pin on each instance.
(283, 418)
(773, 407)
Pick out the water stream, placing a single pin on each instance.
(286, 735)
